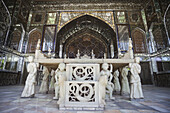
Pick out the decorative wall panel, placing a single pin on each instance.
(66, 17)
(38, 18)
(135, 17)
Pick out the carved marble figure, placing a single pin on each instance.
(102, 89)
(116, 82)
(125, 84)
(109, 85)
(78, 54)
(136, 88)
(29, 89)
(56, 85)
(92, 55)
(51, 87)
(44, 85)
(61, 73)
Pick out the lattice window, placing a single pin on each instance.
(33, 39)
(15, 39)
(138, 41)
(81, 92)
(85, 44)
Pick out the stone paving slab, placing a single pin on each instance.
(156, 100)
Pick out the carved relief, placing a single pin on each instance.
(81, 92)
(79, 72)
(83, 73)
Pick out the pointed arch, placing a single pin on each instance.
(139, 40)
(86, 24)
(33, 35)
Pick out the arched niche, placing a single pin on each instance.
(15, 39)
(34, 35)
(95, 30)
(139, 41)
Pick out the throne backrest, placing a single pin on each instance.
(82, 72)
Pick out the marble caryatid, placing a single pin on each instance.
(125, 84)
(44, 84)
(61, 74)
(56, 84)
(105, 81)
(29, 89)
(116, 82)
(136, 88)
(51, 87)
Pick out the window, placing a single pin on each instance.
(48, 37)
(123, 37)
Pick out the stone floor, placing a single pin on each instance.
(157, 99)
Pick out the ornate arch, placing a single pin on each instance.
(139, 41)
(34, 35)
(90, 25)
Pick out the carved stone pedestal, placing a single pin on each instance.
(82, 88)
(81, 95)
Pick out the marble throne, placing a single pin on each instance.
(81, 87)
